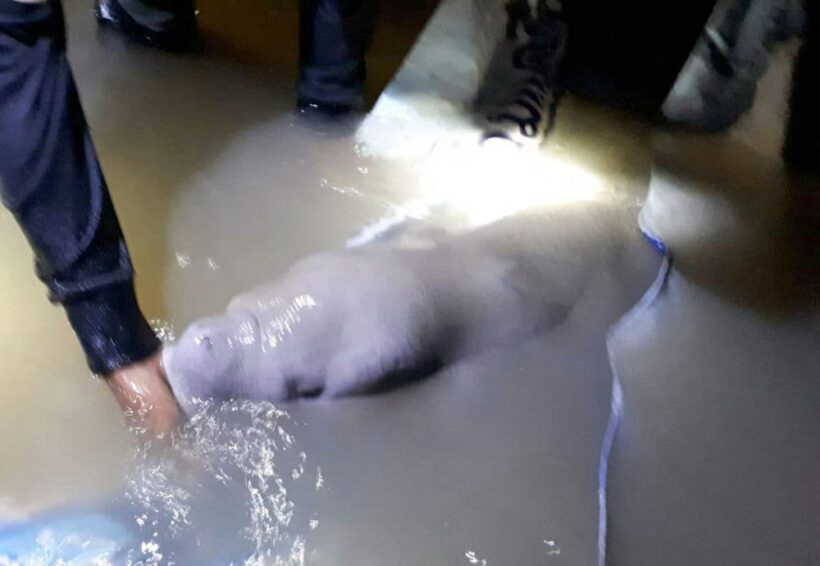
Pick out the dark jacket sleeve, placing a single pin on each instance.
(52, 183)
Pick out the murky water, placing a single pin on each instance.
(225, 491)
(220, 187)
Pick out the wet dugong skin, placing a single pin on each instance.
(364, 319)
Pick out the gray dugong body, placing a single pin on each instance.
(360, 320)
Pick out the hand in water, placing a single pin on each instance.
(144, 396)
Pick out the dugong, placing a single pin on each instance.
(368, 318)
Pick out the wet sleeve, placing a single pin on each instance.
(52, 183)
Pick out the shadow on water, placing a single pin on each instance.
(741, 241)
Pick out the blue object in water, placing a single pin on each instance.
(78, 537)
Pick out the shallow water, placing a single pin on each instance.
(216, 163)
(219, 188)
(225, 491)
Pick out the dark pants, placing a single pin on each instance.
(333, 38)
(802, 148)
(52, 183)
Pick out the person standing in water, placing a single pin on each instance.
(333, 38)
(53, 184)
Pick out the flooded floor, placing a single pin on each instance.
(219, 187)
(171, 130)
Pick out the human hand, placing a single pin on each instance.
(145, 397)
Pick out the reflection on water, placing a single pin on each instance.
(223, 492)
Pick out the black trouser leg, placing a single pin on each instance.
(52, 183)
(802, 147)
(165, 16)
(334, 36)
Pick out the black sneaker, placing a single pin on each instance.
(179, 35)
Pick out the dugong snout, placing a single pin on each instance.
(213, 358)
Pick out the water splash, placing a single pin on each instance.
(150, 549)
(299, 470)
(363, 150)
(237, 455)
(183, 260)
(552, 548)
(51, 550)
(164, 330)
(341, 189)
(473, 558)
